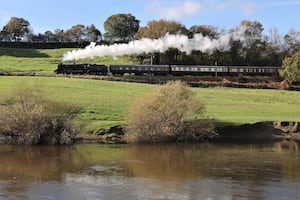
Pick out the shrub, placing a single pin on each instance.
(171, 114)
(26, 117)
(291, 68)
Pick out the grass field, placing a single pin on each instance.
(105, 103)
(42, 61)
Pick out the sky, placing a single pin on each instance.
(46, 15)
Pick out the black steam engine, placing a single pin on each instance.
(176, 70)
(92, 69)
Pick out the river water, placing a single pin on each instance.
(186, 171)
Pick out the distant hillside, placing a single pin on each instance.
(39, 45)
(43, 61)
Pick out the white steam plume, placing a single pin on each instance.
(146, 45)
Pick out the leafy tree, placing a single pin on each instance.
(49, 36)
(121, 27)
(38, 38)
(93, 34)
(205, 30)
(158, 29)
(249, 49)
(59, 35)
(291, 68)
(75, 34)
(16, 28)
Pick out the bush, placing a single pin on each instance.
(26, 117)
(171, 114)
(291, 68)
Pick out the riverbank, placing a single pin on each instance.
(257, 133)
(260, 132)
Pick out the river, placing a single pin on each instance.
(183, 172)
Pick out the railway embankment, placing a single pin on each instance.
(241, 81)
(251, 82)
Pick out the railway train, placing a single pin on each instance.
(164, 70)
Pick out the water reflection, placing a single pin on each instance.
(49, 163)
(256, 163)
(165, 161)
(33, 163)
(185, 171)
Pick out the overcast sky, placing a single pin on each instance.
(51, 14)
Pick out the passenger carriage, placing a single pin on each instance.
(197, 70)
(139, 69)
(254, 70)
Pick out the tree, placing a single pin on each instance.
(170, 114)
(76, 33)
(49, 36)
(158, 29)
(93, 34)
(16, 28)
(292, 37)
(291, 68)
(205, 30)
(121, 28)
(59, 35)
(38, 38)
(251, 44)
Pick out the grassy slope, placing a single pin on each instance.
(42, 61)
(105, 103)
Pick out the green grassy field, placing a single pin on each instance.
(105, 103)
(42, 61)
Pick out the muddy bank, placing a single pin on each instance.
(260, 132)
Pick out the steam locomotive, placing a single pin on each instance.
(176, 70)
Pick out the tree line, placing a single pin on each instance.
(256, 49)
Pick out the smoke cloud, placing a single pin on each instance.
(146, 45)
